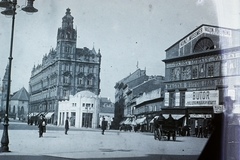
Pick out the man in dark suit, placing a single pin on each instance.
(40, 126)
(104, 125)
(66, 125)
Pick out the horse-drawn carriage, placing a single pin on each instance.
(167, 128)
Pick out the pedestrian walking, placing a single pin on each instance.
(44, 123)
(40, 126)
(196, 131)
(104, 125)
(200, 132)
(66, 126)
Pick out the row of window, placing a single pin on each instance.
(79, 68)
(80, 81)
(212, 69)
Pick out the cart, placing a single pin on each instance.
(169, 128)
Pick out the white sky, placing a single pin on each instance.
(126, 31)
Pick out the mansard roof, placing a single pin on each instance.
(21, 95)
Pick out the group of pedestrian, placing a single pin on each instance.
(42, 125)
(199, 131)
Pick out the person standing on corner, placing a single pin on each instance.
(66, 126)
(104, 125)
(200, 132)
(40, 126)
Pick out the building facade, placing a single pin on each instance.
(201, 69)
(64, 71)
(134, 79)
(146, 107)
(82, 109)
(131, 88)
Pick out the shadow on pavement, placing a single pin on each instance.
(148, 157)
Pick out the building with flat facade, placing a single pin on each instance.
(82, 109)
(65, 70)
(201, 69)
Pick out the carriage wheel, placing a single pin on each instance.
(159, 135)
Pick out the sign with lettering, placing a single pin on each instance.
(202, 98)
(205, 29)
(218, 109)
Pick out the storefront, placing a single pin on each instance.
(199, 72)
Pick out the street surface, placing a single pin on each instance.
(88, 143)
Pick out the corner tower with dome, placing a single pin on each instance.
(64, 71)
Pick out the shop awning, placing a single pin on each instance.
(49, 115)
(41, 113)
(141, 120)
(126, 121)
(174, 116)
(153, 119)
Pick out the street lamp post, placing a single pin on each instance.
(10, 10)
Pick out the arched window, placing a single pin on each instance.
(203, 44)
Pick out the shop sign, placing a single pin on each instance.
(218, 109)
(206, 29)
(236, 108)
(202, 98)
(200, 116)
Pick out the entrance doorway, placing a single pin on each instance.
(87, 120)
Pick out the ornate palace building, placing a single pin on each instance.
(64, 71)
(200, 69)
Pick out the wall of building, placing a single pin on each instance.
(201, 69)
(82, 110)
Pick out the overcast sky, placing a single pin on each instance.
(126, 32)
